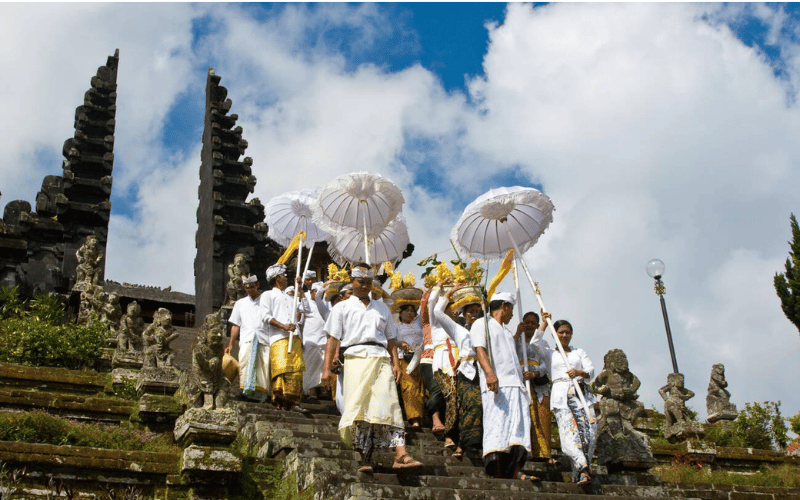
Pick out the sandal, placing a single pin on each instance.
(459, 453)
(406, 462)
(438, 431)
(364, 468)
(524, 477)
(585, 478)
(450, 446)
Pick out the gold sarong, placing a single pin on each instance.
(540, 419)
(370, 395)
(412, 391)
(540, 427)
(286, 369)
(260, 366)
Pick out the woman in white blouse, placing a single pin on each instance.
(578, 436)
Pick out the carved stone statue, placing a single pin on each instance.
(619, 445)
(207, 387)
(91, 305)
(677, 422)
(89, 257)
(718, 400)
(131, 327)
(237, 269)
(157, 337)
(111, 311)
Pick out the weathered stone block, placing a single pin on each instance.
(203, 426)
(205, 460)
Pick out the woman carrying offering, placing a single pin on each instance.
(576, 429)
(409, 336)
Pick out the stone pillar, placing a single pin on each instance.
(227, 224)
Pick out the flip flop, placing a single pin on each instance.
(364, 468)
(585, 479)
(438, 431)
(450, 446)
(458, 453)
(406, 462)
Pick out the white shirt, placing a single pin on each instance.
(278, 305)
(248, 316)
(410, 333)
(562, 384)
(439, 336)
(313, 324)
(352, 323)
(458, 333)
(504, 353)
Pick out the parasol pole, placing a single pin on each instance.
(535, 286)
(296, 292)
(366, 242)
(522, 342)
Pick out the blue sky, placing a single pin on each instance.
(664, 130)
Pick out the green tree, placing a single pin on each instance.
(762, 426)
(787, 285)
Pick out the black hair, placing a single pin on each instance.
(406, 306)
(531, 313)
(496, 304)
(558, 324)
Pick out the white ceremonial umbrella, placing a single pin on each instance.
(503, 219)
(288, 214)
(361, 201)
(348, 247)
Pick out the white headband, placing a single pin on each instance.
(505, 297)
(275, 270)
(362, 272)
(309, 274)
(249, 279)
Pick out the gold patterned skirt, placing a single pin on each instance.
(412, 391)
(540, 427)
(286, 369)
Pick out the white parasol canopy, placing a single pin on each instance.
(389, 245)
(359, 201)
(492, 224)
(356, 201)
(289, 213)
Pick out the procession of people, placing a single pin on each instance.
(366, 349)
(441, 357)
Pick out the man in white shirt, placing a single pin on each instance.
(314, 338)
(281, 318)
(372, 418)
(248, 327)
(506, 415)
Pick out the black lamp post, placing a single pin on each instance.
(655, 268)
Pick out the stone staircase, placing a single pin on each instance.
(324, 468)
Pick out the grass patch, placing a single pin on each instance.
(40, 427)
(780, 476)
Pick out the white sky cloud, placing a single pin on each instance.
(655, 133)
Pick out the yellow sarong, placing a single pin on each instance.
(412, 390)
(286, 369)
(540, 420)
(370, 395)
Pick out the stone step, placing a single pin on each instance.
(522, 491)
(489, 483)
(79, 406)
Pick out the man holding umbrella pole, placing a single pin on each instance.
(365, 330)
(506, 414)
